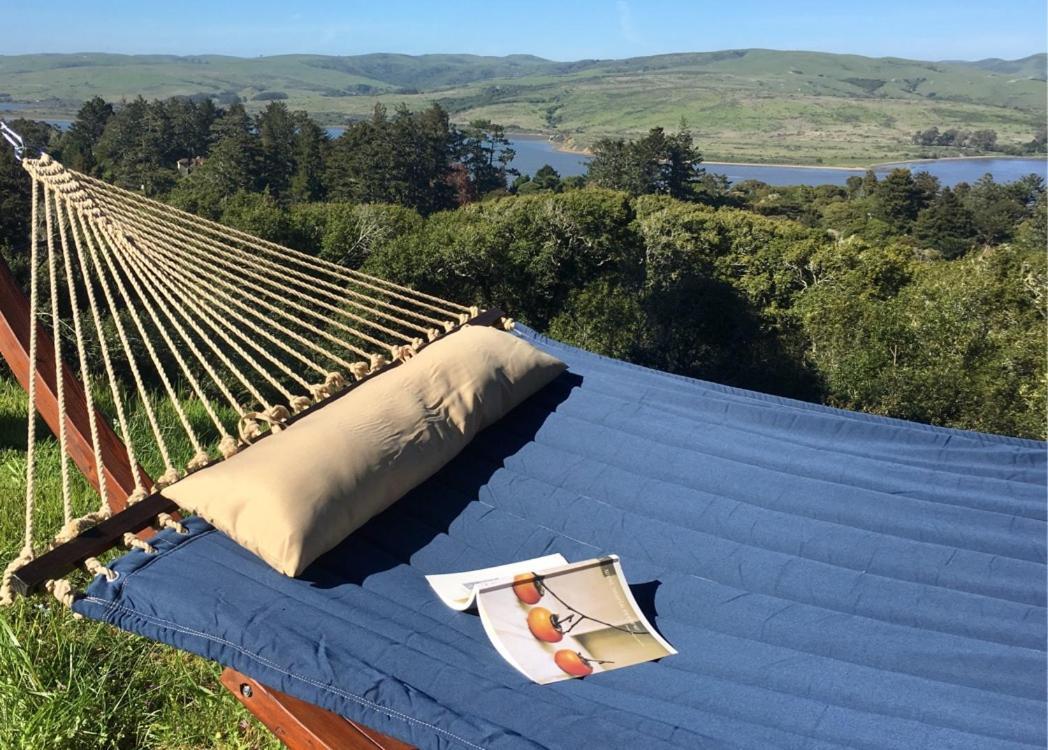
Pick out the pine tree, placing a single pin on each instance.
(485, 152)
(276, 134)
(946, 225)
(307, 183)
(657, 163)
(79, 141)
(897, 199)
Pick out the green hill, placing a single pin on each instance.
(758, 105)
(1028, 67)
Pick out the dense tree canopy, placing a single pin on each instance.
(895, 296)
(656, 163)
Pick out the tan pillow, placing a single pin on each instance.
(296, 494)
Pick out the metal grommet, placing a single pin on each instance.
(245, 690)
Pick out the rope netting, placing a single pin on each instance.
(193, 317)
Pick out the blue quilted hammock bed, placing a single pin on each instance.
(832, 580)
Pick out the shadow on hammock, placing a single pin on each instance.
(418, 519)
(644, 594)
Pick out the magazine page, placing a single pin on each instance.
(458, 590)
(573, 621)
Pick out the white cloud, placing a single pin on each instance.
(626, 27)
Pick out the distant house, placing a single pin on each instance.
(187, 165)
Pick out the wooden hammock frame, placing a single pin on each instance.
(298, 724)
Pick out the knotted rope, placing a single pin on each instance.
(184, 300)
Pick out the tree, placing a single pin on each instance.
(869, 184)
(307, 183)
(927, 187)
(946, 225)
(983, 140)
(526, 254)
(135, 148)
(276, 139)
(1038, 143)
(347, 233)
(231, 167)
(191, 123)
(486, 154)
(897, 199)
(996, 210)
(854, 186)
(404, 159)
(972, 324)
(546, 180)
(929, 137)
(78, 143)
(604, 318)
(654, 164)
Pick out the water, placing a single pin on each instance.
(952, 171)
(533, 152)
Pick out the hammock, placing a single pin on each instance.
(258, 332)
(830, 579)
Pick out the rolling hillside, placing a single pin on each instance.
(756, 105)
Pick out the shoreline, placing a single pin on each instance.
(1000, 157)
(561, 147)
(582, 151)
(786, 166)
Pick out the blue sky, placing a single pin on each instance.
(562, 30)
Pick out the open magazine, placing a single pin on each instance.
(553, 620)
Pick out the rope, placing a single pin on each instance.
(398, 291)
(132, 541)
(26, 553)
(151, 283)
(170, 472)
(200, 458)
(34, 306)
(230, 281)
(252, 315)
(63, 426)
(118, 404)
(221, 278)
(330, 290)
(282, 291)
(186, 304)
(191, 286)
(85, 375)
(186, 370)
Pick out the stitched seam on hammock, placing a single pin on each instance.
(679, 481)
(803, 406)
(626, 510)
(779, 436)
(364, 702)
(922, 628)
(750, 685)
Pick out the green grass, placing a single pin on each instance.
(68, 683)
(743, 105)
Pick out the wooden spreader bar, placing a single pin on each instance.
(67, 557)
(299, 724)
(141, 516)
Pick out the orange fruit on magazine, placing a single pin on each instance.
(573, 663)
(527, 587)
(543, 625)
